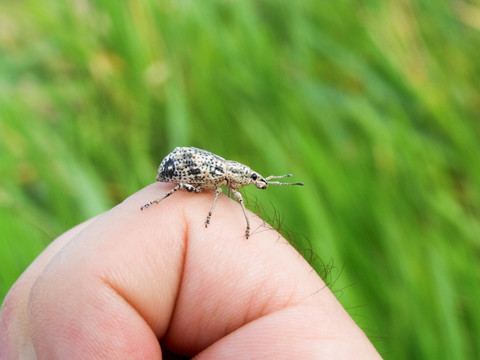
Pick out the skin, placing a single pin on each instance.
(112, 286)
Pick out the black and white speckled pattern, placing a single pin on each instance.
(238, 175)
(193, 166)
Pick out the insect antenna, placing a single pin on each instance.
(277, 176)
(280, 177)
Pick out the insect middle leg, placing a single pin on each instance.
(218, 191)
(186, 187)
(239, 198)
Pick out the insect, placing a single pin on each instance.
(195, 170)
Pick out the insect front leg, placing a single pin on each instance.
(186, 187)
(218, 191)
(239, 198)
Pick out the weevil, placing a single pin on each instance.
(195, 170)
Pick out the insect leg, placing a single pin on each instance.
(217, 192)
(239, 198)
(186, 187)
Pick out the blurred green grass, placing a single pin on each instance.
(373, 105)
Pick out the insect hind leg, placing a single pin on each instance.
(186, 187)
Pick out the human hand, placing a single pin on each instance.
(129, 284)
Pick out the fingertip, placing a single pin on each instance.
(164, 274)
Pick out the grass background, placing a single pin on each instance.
(374, 105)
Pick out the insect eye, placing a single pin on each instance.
(254, 176)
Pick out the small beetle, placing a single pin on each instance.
(195, 170)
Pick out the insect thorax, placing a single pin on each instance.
(238, 175)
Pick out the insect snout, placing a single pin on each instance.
(261, 183)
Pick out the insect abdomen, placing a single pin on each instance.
(192, 166)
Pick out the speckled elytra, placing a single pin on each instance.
(195, 170)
